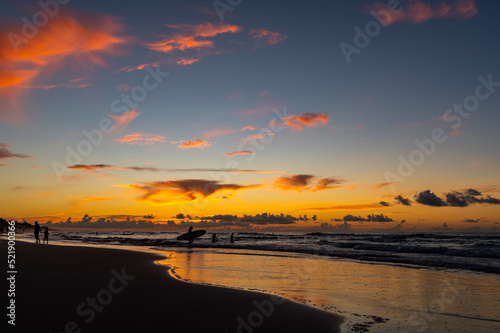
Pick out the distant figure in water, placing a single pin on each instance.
(190, 235)
(46, 235)
(232, 237)
(214, 238)
(37, 232)
(97, 233)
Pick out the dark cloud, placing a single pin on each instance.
(403, 201)
(266, 219)
(6, 153)
(369, 218)
(96, 167)
(471, 220)
(472, 192)
(339, 227)
(293, 182)
(325, 184)
(468, 197)
(429, 199)
(384, 203)
(176, 191)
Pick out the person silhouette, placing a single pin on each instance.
(37, 232)
(232, 237)
(214, 238)
(190, 235)
(46, 235)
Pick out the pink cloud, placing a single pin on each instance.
(121, 122)
(219, 131)
(124, 87)
(270, 37)
(419, 11)
(142, 139)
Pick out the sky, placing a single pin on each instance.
(370, 115)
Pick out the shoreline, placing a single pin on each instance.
(82, 286)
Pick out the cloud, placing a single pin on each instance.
(456, 199)
(121, 122)
(142, 139)
(420, 12)
(185, 190)
(382, 185)
(297, 123)
(429, 199)
(192, 36)
(270, 37)
(124, 87)
(97, 167)
(45, 194)
(187, 61)
(347, 207)
(242, 152)
(80, 199)
(293, 182)
(471, 220)
(75, 38)
(369, 218)
(137, 68)
(220, 131)
(384, 203)
(325, 184)
(403, 201)
(265, 132)
(195, 143)
(6, 153)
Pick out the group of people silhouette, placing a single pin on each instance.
(37, 233)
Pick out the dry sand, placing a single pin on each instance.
(56, 285)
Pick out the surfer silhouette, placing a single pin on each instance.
(190, 235)
(37, 232)
(214, 238)
(232, 237)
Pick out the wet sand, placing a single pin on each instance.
(79, 289)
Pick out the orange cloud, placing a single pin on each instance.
(264, 133)
(348, 207)
(242, 152)
(382, 185)
(188, 61)
(220, 131)
(270, 37)
(293, 182)
(185, 190)
(141, 139)
(79, 199)
(297, 123)
(121, 122)
(45, 194)
(196, 143)
(137, 68)
(78, 38)
(192, 36)
(419, 12)
(325, 184)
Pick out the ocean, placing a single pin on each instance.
(381, 282)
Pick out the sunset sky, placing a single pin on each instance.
(370, 117)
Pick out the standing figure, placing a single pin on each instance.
(46, 235)
(214, 238)
(232, 237)
(37, 232)
(190, 235)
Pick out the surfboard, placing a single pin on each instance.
(196, 234)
